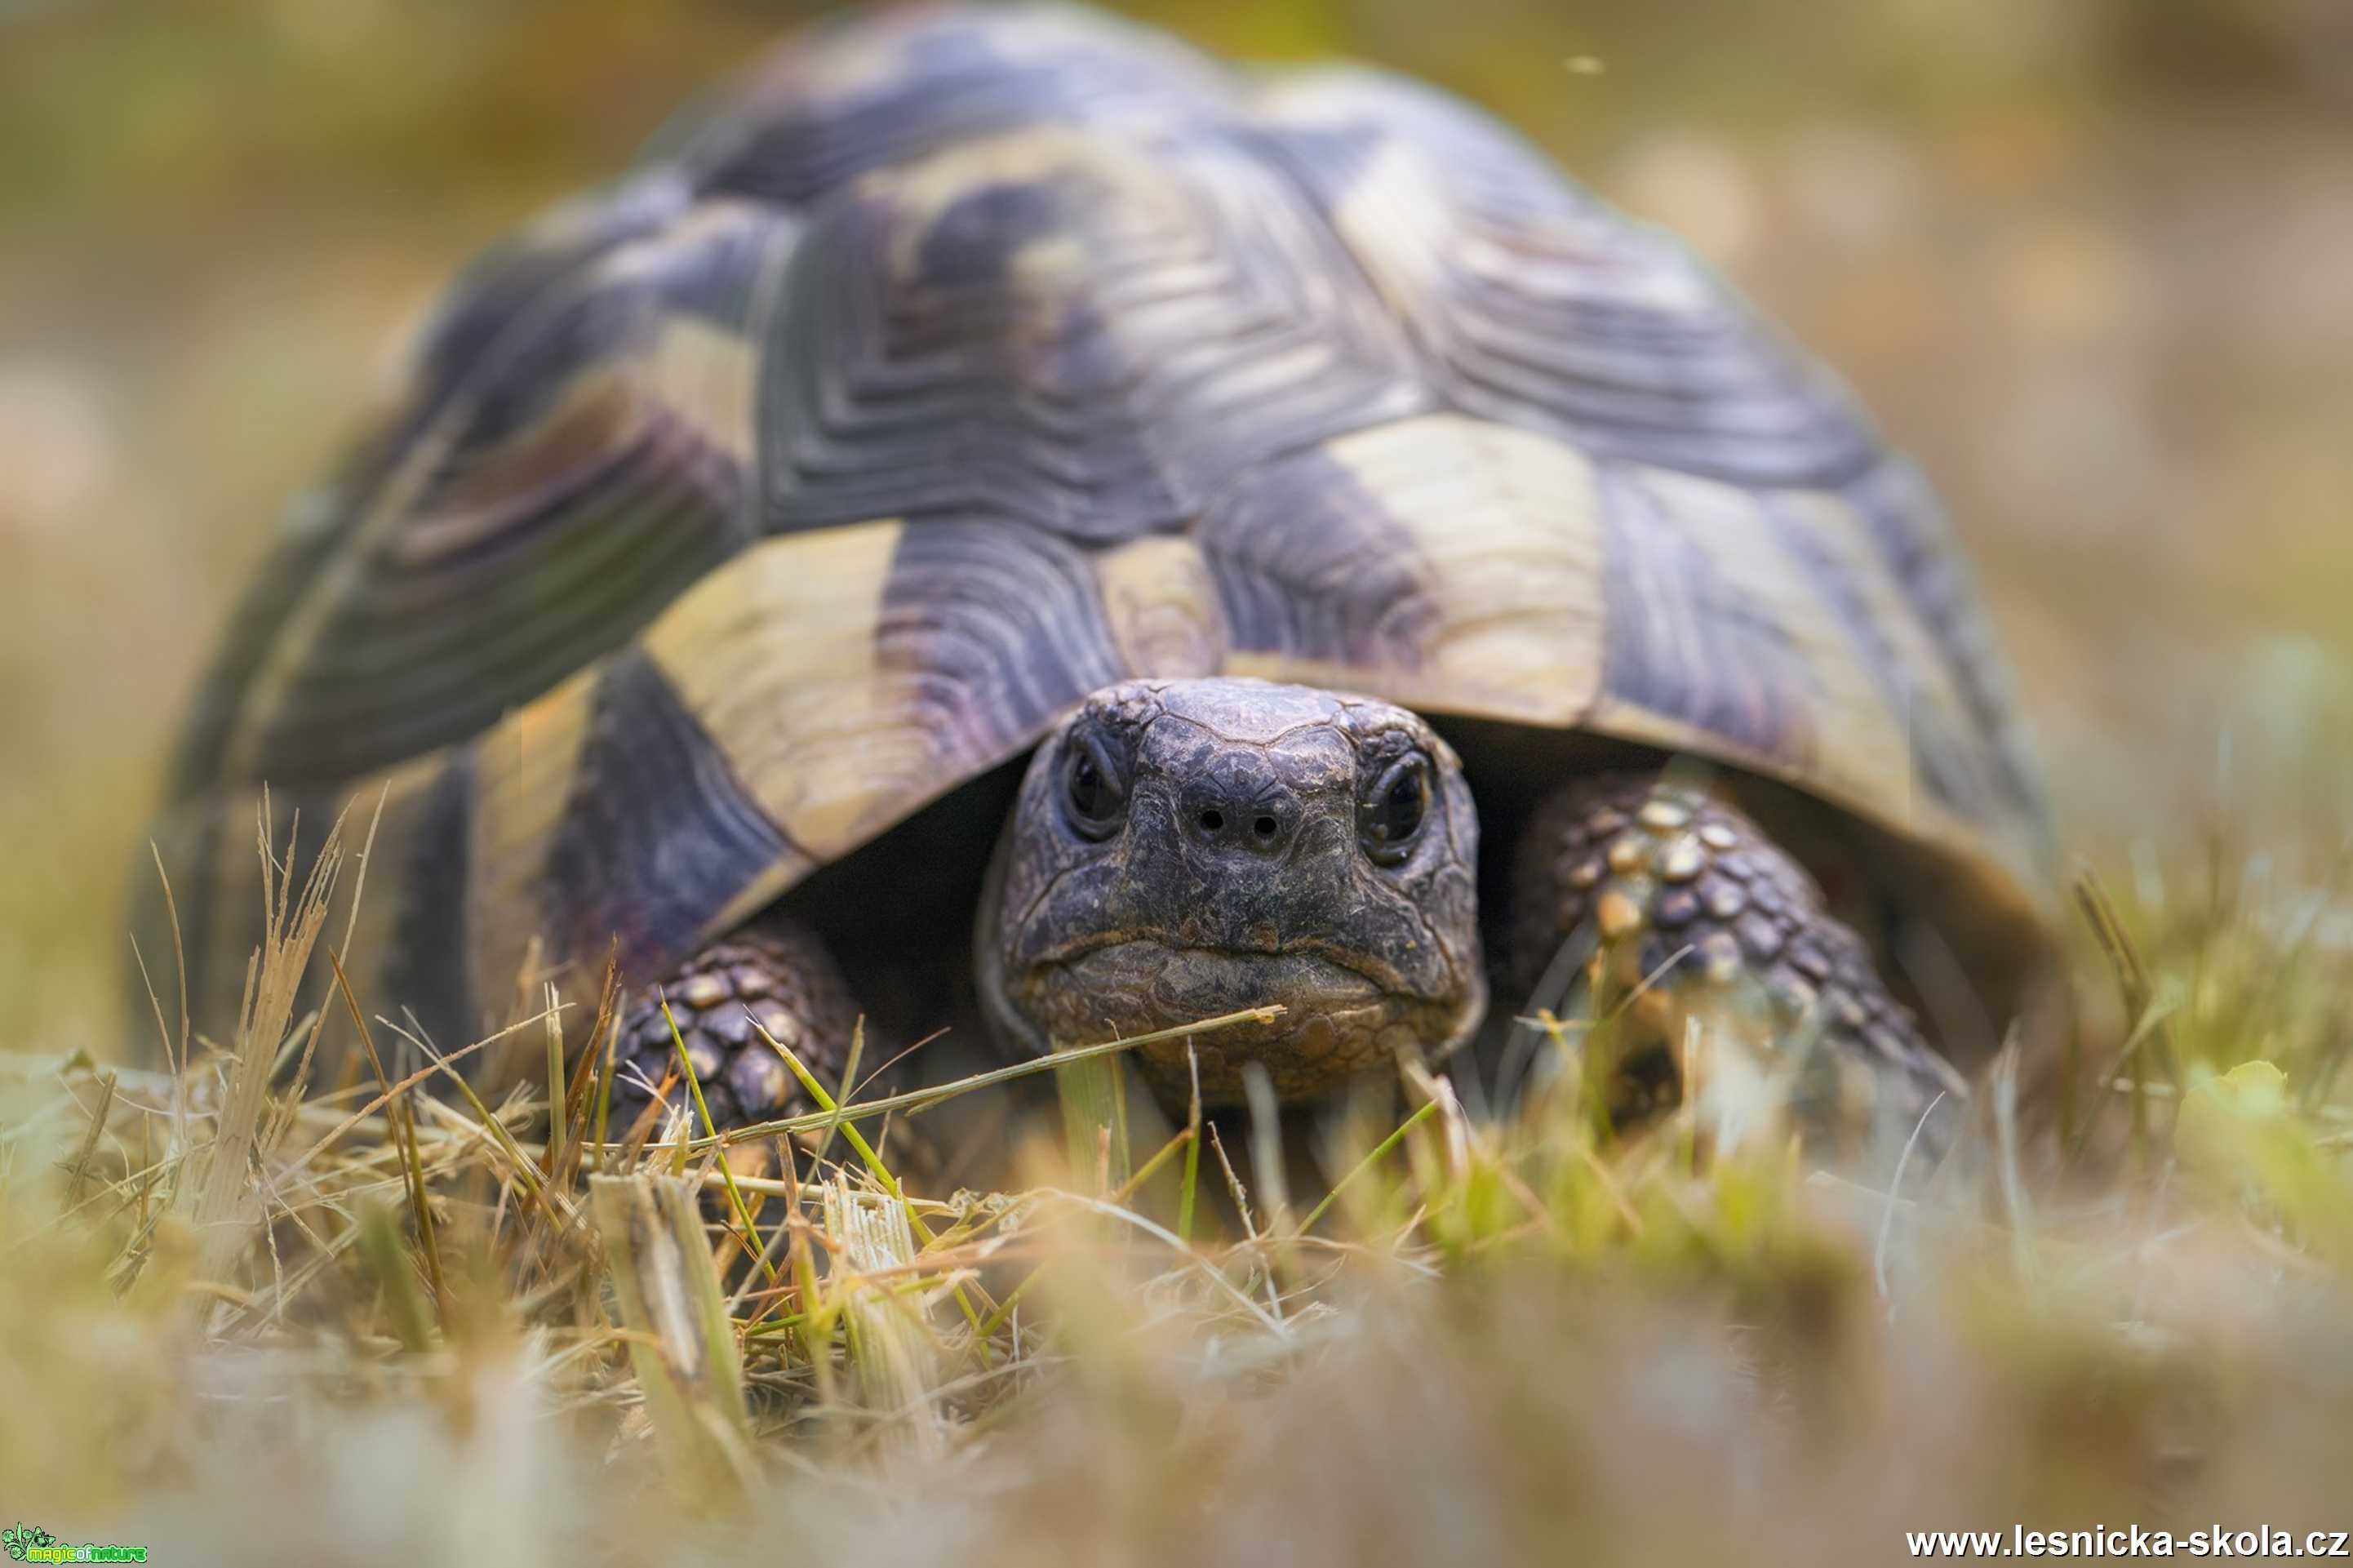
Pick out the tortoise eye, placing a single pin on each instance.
(1094, 796)
(1391, 815)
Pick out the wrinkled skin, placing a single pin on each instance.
(1185, 849)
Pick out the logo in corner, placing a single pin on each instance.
(31, 1543)
(23, 1538)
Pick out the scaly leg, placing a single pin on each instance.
(776, 972)
(1692, 911)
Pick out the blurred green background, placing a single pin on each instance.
(2090, 260)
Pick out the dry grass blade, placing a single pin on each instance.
(892, 1354)
(175, 1047)
(1378, 1152)
(402, 1118)
(2150, 1032)
(830, 1108)
(272, 980)
(1190, 1193)
(915, 1100)
(77, 1169)
(748, 1238)
(682, 1342)
(1093, 1120)
(388, 1261)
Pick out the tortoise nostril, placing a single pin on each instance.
(1235, 801)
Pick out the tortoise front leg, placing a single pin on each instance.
(776, 972)
(1691, 911)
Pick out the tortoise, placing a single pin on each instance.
(1334, 558)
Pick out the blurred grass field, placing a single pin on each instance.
(393, 1326)
(2088, 263)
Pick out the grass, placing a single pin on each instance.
(395, 1323)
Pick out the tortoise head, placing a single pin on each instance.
(1185, 849)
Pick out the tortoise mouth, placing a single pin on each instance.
(1189, 984)
(1340, 1015)
(1266, 972)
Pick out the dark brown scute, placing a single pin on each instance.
(1681, 641)
(890, 88)
(1309, 564)
(1004, 621)
(427, 968)
(658, 833)
(550, 504)
(1537, 305)
(1091, 337)
(508, 279)
(1915, 539)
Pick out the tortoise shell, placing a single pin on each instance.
(960, 363)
